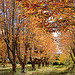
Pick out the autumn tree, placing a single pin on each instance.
(3, 52)
(42, 18)
(6, 32)
(9, 23)
(52, 15)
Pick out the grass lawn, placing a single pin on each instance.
(51, 70)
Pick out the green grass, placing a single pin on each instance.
(51, 70)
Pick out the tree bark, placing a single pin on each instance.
(14, 62)
(47, 63)
(33, 65)
(42, 64)
(14, 67)
(22, 63)
(39, 63)
(23, 67)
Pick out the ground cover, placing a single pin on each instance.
(50, 70)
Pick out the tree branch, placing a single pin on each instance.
(18, 54)
(8, 45)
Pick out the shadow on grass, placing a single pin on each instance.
(52, 73)
(28, 68)
(10, 72)
(55, 73)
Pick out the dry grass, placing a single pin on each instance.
(8, 66)
(51, 70)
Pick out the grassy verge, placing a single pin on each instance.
(51, 70)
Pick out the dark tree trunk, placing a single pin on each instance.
(42, 64)
(33, 65)
(14, 62)
(39, 63)
(14, 67)
(23, 67)
(22, 63)
(46, 63)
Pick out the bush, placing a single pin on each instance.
(57, 63)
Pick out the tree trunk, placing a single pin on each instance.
(23, 67)
(42, 64)
(14, 62)
(14, 67)
(33, 65)
(39, 63)
(46, 63)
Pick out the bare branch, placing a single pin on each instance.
(8, 45)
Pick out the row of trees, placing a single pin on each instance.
(53, 15)
(26, 28)
(21, 39)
